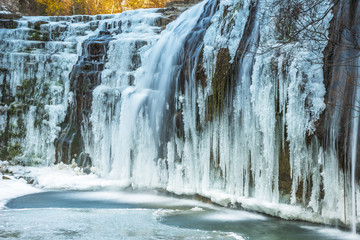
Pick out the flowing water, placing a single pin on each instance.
(130, 215)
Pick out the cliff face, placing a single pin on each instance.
(10, 5)
(341, 69)
(22, 7)
(233, 100)
(340, 123)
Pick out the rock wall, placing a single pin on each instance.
(22, 7)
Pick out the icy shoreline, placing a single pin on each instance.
(11, 187)
(17, 181)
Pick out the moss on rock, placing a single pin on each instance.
(200, 75)
(31, 92)
(221, 84)
(8, 24)
(38, 36)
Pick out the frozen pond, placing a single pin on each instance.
(128, 215)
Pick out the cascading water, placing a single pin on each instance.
(354, 145)
(143, 108)
(109, 141)
(355, 134)
(223, 103)
(339, 133)
(354, 150)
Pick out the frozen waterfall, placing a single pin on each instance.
(222, 102)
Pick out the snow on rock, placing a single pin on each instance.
(5, 12)
(11, 187)
(66, 177)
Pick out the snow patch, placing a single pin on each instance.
(235, 236)
(234, 216)
(12, 188)
(5, 12)
(65, 177)
(158, 214)
(197, 209)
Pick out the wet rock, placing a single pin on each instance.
(341, 79)
(10, 16)
(37, 25)
(179, 124)
(200, 71)
(8, 24)
(182, 3)
(104, 33)
(163, 21)
(285, 181)
(29, 180)
(87, 170)
(84, 78)
(221, 84)
(172, 10)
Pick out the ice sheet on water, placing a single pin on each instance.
(233, 215)
(142, 198)
(285, 211)
(137, 224)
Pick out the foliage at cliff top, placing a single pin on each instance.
(92, 7)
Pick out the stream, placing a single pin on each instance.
(144, 215)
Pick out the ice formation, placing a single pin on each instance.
(213, 105)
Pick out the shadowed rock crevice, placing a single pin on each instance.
(84, 78)
(341, 78)
(189, 62)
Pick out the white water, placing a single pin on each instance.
(354, 144)
(27, 56)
